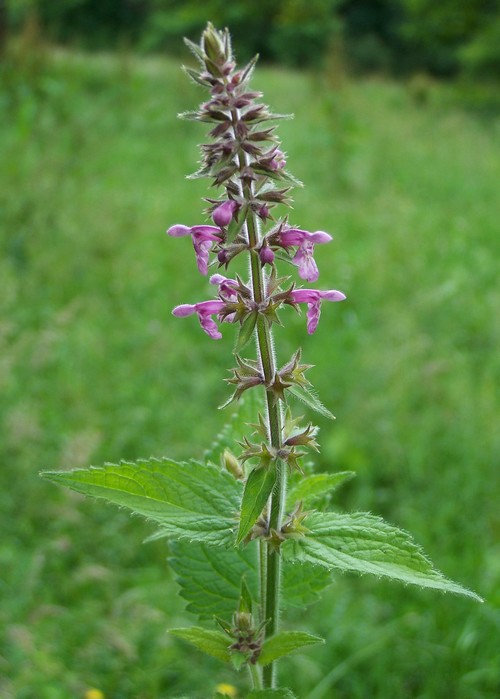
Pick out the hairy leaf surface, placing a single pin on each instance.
(188, 500)
(309, 396)
(310, 488)
(363, 543)
(214, 643)
(210, 578)
(258, 488)
(284, 643)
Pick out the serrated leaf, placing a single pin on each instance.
(303, 583)
(271, 694)
(210, 578)
(310, 398)
(363, 543)
(188, 500)
(284, 643)
(258, 488)
(214, 643)
(246, 332)
(310, 488)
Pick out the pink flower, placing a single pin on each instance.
(278, 161)
(223, 214)
(227, 287)
(313, 299)
(305, 241)
(203, 237)
(205, 311)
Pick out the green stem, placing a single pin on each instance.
(262, 578)
(275, 421)
(255, 675)
(270, 577)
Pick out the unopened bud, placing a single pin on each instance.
(266, 255)
(233, 465)
(263, 212)
(243, 621)
(212, 44)
(223, 214)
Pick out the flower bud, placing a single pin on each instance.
(212, 44)
(233, 465)
(243, 621)
(266, 255)
(223, 257)
(223, 214)
(263, 212)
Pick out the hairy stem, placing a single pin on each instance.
(269, 560)
(255, 675)
(274, 426)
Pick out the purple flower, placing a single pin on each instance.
(203, 237)
(278, 161)
(227, 287)
(205, 311)
(313, 299)
(223, 214)
(263, 212)
(305, 241)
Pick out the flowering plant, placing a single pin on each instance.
(248, 534)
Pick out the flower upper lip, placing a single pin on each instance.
(202, 236)
(313, 298)
(305, 242)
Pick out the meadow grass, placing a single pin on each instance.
(93, 368)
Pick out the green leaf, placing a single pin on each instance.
(285, 643)
(236, 225)
(196, 50)
(238, 660)
(313, 487)
(258, 488)
(246, 599)
(210, 578)
(214, 643)
(363, 543)
(246, 332)
(188, 500)
(308, 396)
(271, 694)
(303, 583)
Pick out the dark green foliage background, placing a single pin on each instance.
(402, 36)
(94, 368)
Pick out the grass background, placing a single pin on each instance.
(94, 368)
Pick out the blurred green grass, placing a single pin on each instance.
(93, 368)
